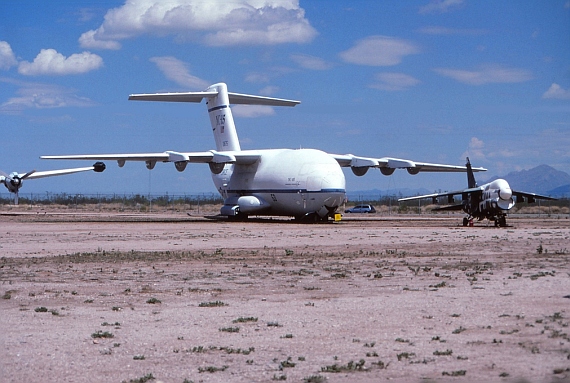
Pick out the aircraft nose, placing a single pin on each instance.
(505, 193)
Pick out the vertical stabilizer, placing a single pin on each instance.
(471, 183)
(221, 119)
(218, 102)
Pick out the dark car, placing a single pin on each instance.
(361, 209)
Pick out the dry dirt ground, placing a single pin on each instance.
(176, 298)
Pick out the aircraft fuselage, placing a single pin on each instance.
(496, 199)
(283, 182)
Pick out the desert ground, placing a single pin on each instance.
(133, 297)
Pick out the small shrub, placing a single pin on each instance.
(244, 320)
(212, 304)
(153, 301)
(142, 379)
(314, 379)
(101, 334)
(454, 373)
(212, 369)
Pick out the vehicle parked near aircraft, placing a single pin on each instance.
(307, 184)
(492, 200)
(361, 209)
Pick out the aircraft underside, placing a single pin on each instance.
(498, 217)
(303, 205)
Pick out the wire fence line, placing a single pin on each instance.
(111, 198)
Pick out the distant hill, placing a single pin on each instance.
(561, 191)
(542, 179)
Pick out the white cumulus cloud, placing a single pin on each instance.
(475, 150)
(214, 22)
(486, 74)
(440, 6)
(50, 62)
(178, 72)
(379, 51)
(394, 81)
(311, 62)
(557, 92)
(7, 58)
(31, 95)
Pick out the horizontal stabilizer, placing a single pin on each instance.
(235, 98)
(246, 99)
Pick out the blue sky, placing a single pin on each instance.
(432, 81)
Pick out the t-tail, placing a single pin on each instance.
(221, 119)
(218, 101)
(471, 183)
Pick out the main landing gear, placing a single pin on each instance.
(501, 221)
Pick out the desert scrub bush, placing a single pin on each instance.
(41, 309)
(244, 320)
(459, 330)
(138, 357)
(142, 379)
(229, 329)
(101, 334)
(405, 355)
(314, 379)
(288, 363)
(454, 373)
(442, 353)
(212, 304)
(230, 350)
(153, 301)
(211, 369)
(116, 324)
(350, 366)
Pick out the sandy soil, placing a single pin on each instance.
(125, 297)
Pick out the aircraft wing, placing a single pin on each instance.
(61, 172)
(212, 156)
(388, 164)
(531, 197)
(446, 194)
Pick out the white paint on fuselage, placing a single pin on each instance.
(497, 197)
(289, 182)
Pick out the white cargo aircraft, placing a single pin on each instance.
(307, 184)
(14, 180)
(492, 200)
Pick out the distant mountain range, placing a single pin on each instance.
(542, 179)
